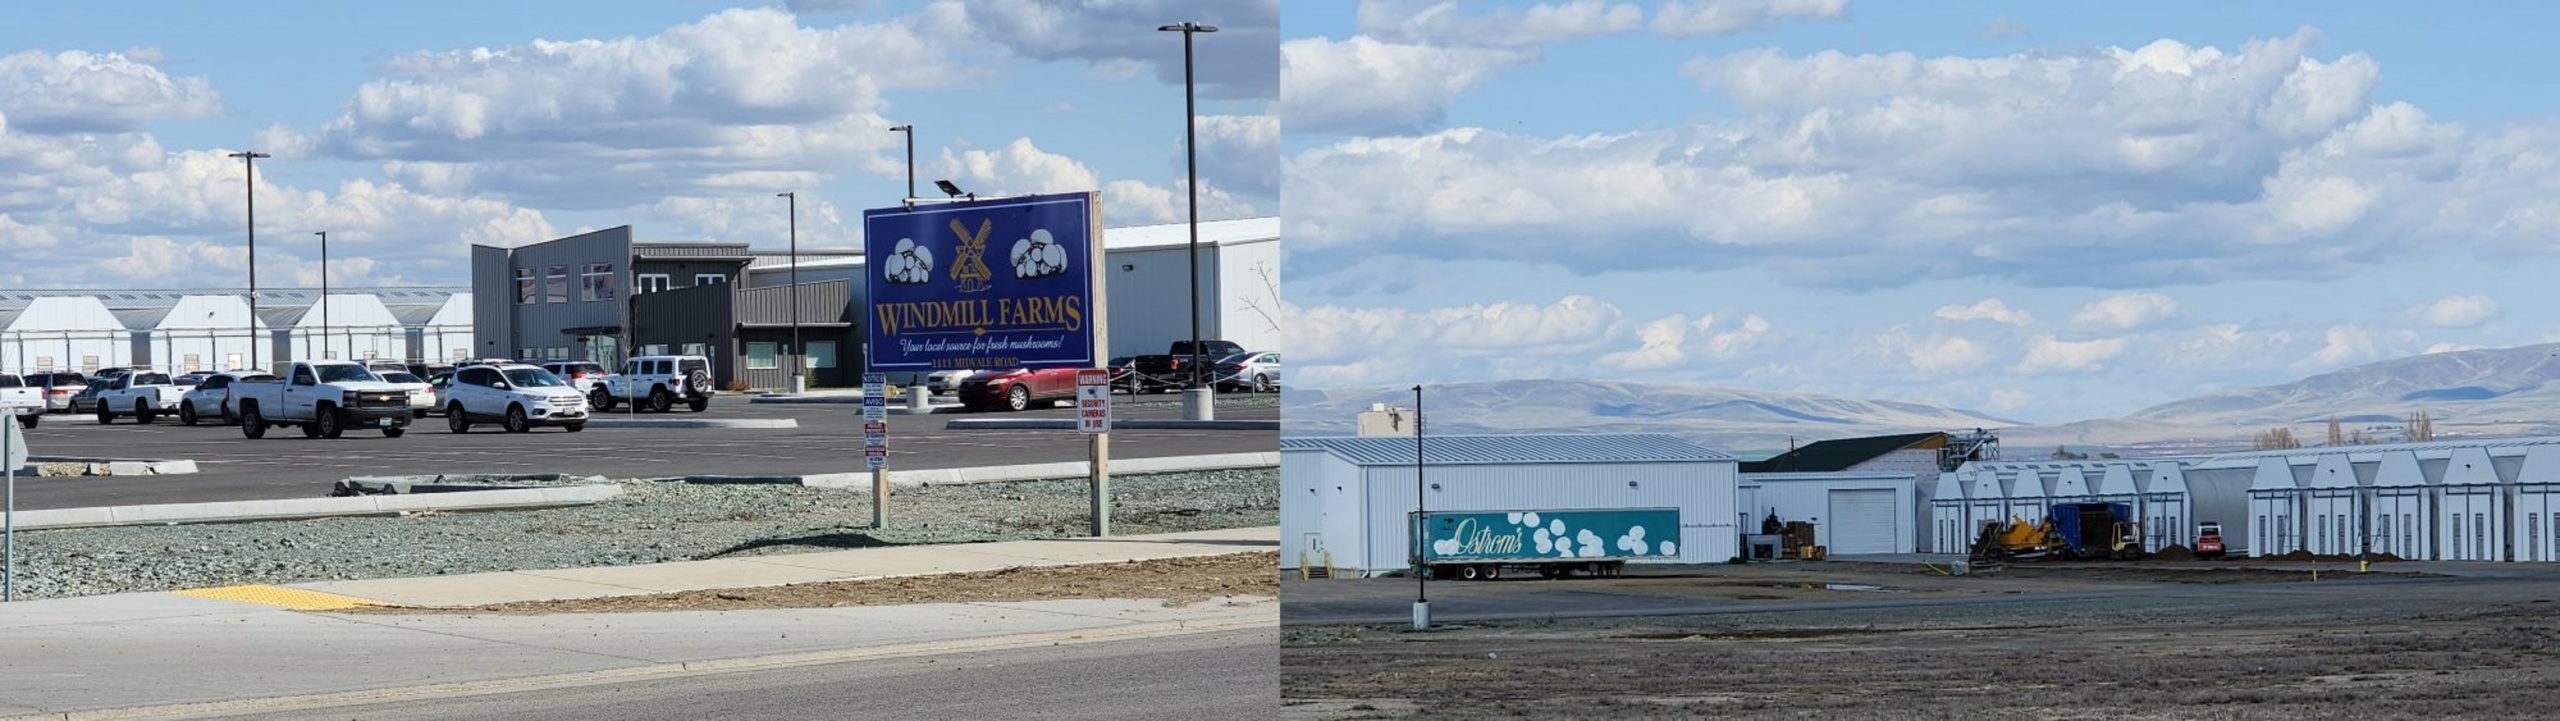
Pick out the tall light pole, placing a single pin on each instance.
(1421, 526)
(249, 178)
(910, 130)
(1191, 149)
(799, 354)
(324, 294)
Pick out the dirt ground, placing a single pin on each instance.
(1179, 581)
(2164, 643)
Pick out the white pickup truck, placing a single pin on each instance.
(20, 400)
(323, 398)
(141, 394)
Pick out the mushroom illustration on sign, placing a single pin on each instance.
(1038, 256)
(909, 263)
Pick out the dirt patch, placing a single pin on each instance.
(2175, 553)
(1179, 581)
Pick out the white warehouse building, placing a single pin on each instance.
(1346, 502)
(1851, 512)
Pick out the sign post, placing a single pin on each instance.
(1093, 417)
(13, 453)
(875, 443)
(990, 284)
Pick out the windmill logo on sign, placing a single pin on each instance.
(970, 265)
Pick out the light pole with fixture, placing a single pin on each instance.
(324, 296)
(1197, 398)
(910, 130)
(1421, 527)
(799, 353)
(249, 179)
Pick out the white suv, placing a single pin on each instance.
(657, 382)
(514, 395)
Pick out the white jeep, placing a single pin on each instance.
(656, 382)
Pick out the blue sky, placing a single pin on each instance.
(410, 130)
(2046, 211)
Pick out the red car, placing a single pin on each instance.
(1017, 389)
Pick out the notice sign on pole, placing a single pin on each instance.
(875, 421)
(1093, 400)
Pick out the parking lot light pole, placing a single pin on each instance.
(324, 295)
(910, 130)
(1197, 398)
(249, 179)
(1421, 527)
(799, 353)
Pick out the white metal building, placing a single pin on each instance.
(343, 326)
(1951, 513)
(184, 330)
(2538, 504)
(1349, 499)
(62, 332)
(2275, 503)
(1851, 512)
(2029, 497)
(2401, 523)
(204, 332)
(2168, 509)
(1149, 289)
(2474, 508)
(2331, 505)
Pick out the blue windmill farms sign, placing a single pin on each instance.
(1009, 283)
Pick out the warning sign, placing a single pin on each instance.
(1093, 400)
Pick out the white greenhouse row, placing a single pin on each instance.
(1992, 491)
(185, 331)
(2449, 501)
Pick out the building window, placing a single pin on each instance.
(700, 349)
(709, 278)
(194, 362)
(651, 283)
(44, 363)
(761, 356)
(597, 279)
(524, 286)
(822, 354)
(555, 288)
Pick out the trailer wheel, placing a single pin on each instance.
(1492, 571)
(1470, 573)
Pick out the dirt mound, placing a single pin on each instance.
(2296, 555)
(2175, 553)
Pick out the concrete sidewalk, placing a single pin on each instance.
(242, 649)
(476, 589)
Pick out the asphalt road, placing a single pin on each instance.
(1227, 675)
(829, 440)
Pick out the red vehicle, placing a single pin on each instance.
(2209, 540)
(1017, 389)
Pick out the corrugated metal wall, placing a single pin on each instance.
(1301, 509)
(700, 314)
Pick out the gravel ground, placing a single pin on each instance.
(653, 522)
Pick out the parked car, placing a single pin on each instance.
(212, 398)
(941, 382)
(190, 380)
(143, 394)
(59, 387)
(1156, 373)
(657, 382)
(19, 400)
(582, 375)
(1017, 389)
(323, 398)
(1255, 371)
(422, 395)
(429, 370)
(1124, 374)
(516, 396)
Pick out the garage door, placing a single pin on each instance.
(1863, 522)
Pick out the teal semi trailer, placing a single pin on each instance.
(1480, 545)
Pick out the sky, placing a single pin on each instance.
(409, 131)
(2043, 211)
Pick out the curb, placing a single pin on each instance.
(323, 701)
(1045, 471)
(112, 466)
(600, 421)
(1135, 424)
(298, 508)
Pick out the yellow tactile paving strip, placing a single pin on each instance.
(279, 596)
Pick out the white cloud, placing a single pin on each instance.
(2457, 311)
(1990, 309)
(740, 100)
(2005, 400)
(1346, 345)
(1441, 22)
(2114, 168)
(2003, 27)
(2125, 311)
(1724, 17)
(75, 92)
(1021, 167)
(2347, 344)
(1244, 150)
(1934, 355)
(1234, 62)
(2047, 354)
(1667, 343)
(1366, 86)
